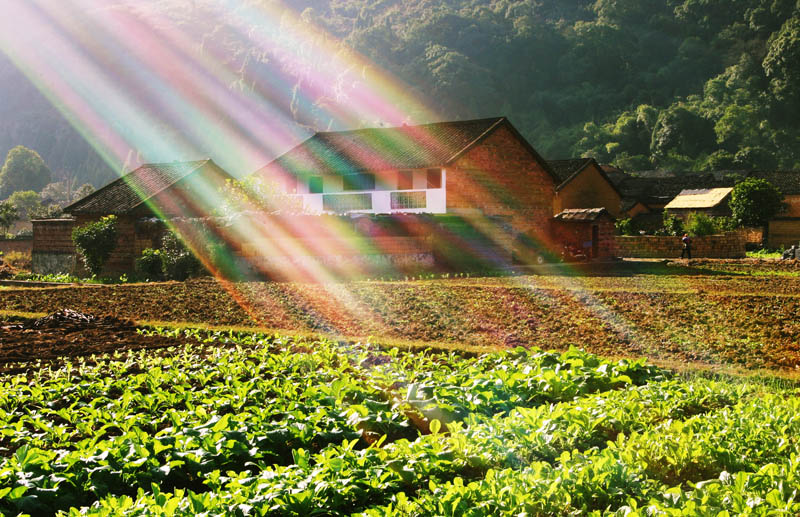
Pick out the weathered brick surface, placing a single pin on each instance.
(53, 238)
(18, 245)
(728, 245)
(784, 232)
(579, 235)
(500, 176)
(588, 190)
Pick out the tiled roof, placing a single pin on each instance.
(386, 148)
(788, 182)
(581, 214)
(700, 198)
(123, 195)
(661, 190)
(567, 170)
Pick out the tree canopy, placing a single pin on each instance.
(641, 84)
(23, 169)
(755, 201)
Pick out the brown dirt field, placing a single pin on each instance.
(705, 317)
(51, 343)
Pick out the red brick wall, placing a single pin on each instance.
(500, 176)
(576, 234)
(18, 245)
(728, 245)
(54, 236)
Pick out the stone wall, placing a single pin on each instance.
(728, 245)
(52, 250)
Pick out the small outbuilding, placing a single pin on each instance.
(589, 231)
(709, 201)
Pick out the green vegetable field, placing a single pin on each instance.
(251, 424)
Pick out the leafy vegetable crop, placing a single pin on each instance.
(238, 423)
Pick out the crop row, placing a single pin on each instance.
(254, 405)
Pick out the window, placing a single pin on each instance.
(362, 181)
(434, 178)
(408, 200)
(346, 202)
(405, 180)
(315, 184)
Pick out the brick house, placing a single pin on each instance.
(470, 168)
(584, 184)
(712, 202)
(784, 230)
(588, 230)
(140, 199)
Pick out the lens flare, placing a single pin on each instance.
(242, 83)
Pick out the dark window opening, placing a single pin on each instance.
(315, 184)
(434, 178)
(361, 181)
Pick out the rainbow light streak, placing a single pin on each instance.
(137, 80)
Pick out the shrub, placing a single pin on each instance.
(150, 265)
(699, 224)
(672, 225)
(95, 241)
(18, 260)
(626, 227)
(179, 262)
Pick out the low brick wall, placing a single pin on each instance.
(727, 245)
(18, 245)
(52, 250)
(784, 232)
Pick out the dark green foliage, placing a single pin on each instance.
(700, 80)
(179, 263)
(23, 169)
(673, 225)
(150, 265)
(626, 227)
(755, 201)
(96, 241)
(8, 215)
(699, 224)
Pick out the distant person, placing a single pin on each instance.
(687, 246)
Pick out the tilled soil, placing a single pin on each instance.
(66, 334)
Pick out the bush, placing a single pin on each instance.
(699, 224)
(18, 260)
(179, 262)
(672, 225)
(95, 241)
(626, 227)
(150, 265)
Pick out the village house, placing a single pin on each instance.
(712, 202)
(140, 200)
(584, 184)
(784, 230)
(473, 167)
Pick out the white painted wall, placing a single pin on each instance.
(436, 199)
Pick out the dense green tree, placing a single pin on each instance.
(755, 201)
(23, 169)
(8, 216)
(27, 203)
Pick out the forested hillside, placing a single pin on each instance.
(681, 84)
